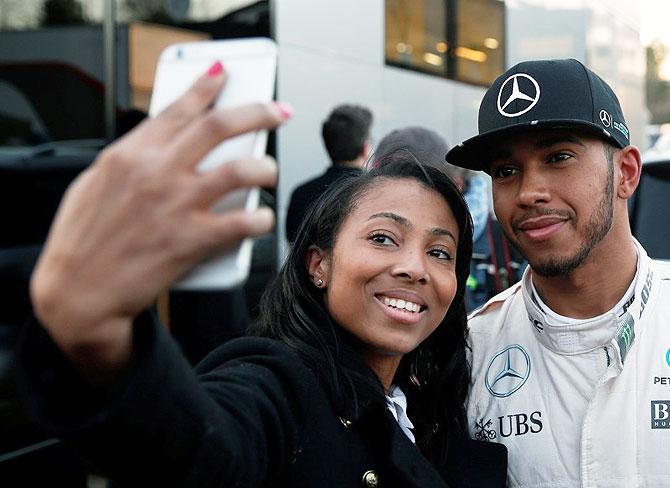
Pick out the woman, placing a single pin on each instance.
(369, 304)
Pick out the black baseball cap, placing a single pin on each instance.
(547, 94)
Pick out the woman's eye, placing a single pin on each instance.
(381, 239)
(440, 254)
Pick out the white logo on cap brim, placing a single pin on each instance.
(605, 118)
(518, 94)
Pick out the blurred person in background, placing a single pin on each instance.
(346, 135)
(429, 147)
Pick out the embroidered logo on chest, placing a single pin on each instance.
(507, 371)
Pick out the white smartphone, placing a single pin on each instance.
(250, 66)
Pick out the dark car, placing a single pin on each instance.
(650, 204)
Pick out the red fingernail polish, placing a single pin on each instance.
(215, 70)
(285, 109)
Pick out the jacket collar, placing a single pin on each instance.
(615, 325)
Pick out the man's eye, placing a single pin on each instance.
(558, 157)
(504, 171)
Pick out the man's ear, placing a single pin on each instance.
(629, 164)
(317, 262)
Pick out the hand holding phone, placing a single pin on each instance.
(250, 66)
(139, 217)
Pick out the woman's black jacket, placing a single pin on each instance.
(250, 414)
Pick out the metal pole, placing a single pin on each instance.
(109, 57)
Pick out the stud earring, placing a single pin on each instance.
(319, 283)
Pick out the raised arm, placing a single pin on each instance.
(138, 218)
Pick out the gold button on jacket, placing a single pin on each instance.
(370, 479)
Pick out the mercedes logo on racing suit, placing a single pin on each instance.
(508, 371)
(519, 86)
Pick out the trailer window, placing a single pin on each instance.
(458, 39)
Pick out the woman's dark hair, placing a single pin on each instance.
(434, 376)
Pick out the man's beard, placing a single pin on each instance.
(597, 228)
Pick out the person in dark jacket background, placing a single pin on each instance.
(356, 373)
(346, 134)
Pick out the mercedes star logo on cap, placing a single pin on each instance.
(511, 90)
(605, 118)
(508, 371)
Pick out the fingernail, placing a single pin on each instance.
(215, 70)
(285, 110)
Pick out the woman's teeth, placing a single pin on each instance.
(402, 304)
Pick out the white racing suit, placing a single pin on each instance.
(584, 404)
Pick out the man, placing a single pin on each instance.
(570, 365)
(345, 134)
